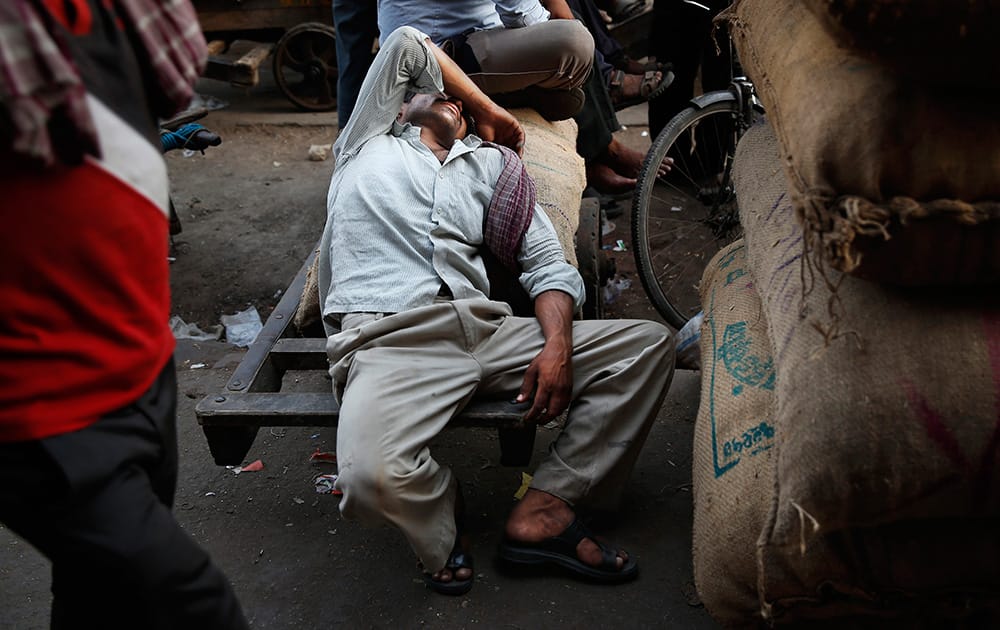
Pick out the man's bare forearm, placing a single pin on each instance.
(554, 311)
(549, 377)
(493, 122)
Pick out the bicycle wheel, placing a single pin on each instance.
(680, 221)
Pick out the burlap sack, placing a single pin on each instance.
(892, 181)
(560, 176)
(888, 412)
(734, 436)
(950, 43)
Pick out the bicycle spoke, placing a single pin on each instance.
(681, 220)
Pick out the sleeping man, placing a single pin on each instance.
(414, 199)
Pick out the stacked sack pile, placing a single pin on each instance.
(847, 448)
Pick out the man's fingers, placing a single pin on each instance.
(538, 410)
(527, 385)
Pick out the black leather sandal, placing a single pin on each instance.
(561, 551)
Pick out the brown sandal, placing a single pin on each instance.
(650, 87)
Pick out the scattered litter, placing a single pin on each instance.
(298, 501)
(243, 327)
(331, 531)
(210, 103)
(276, 164)
(319, 152)
(198, 366)
(614, 288)
(688, 356)
(323, 457)
(188, 153)
(644, 134)
(184, 330)
(279, 434)
(277, 294)
(254, 466)
(675, 208)
(619, 246)
(325, 484)
(171, 259)
(525, 482)
(607, 227)
(314, 436)
(606, 247)
(209, 494)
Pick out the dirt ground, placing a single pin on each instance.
(251, 210)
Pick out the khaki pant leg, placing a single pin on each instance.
(622, 370)
(406, 377)
(553, 55)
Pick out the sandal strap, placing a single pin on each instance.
(577, 531)
(458, 560)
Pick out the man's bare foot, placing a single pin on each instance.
(539, 516)
(627, 162)
(605, 180)
(624, 160)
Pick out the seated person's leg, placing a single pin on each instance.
(389, 413)
(621, 370)
(551, 57)
(612, 167)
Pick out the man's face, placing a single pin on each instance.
(438, 111)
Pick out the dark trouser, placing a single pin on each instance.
(607, 47)
(356, 25)
(97, 502)
(682, 36)
(596, 121)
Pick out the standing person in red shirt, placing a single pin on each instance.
(88, 446)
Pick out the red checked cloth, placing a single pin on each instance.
(38, 78)
(511, 209)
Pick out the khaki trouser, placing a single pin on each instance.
(545, 64)
(402, 378)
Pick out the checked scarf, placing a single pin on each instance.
(39, 81)
(511, 209)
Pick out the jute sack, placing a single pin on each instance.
(888, 470)
(891, 180)
(560, 176)
(733, 469)
(939, 42)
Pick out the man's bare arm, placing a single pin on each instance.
(493, 122)
(558, 9)
(550, 375)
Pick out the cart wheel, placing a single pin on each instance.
(305, 66)
(591, 258)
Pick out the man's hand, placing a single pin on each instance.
(550, 378)
(496, 124)
(550, 375)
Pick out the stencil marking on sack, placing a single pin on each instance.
(747, 370)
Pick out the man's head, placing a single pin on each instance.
(442, 114)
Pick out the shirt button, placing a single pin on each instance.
(441, 175)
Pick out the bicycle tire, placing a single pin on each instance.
(680, 221)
